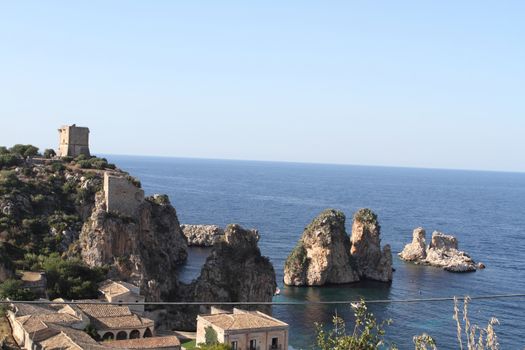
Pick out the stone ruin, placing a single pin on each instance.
(121, 195)
(73, 141)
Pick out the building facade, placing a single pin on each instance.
(247, 330)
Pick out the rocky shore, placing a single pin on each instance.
(202, 235)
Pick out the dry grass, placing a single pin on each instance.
(470, 337)
(475, 337)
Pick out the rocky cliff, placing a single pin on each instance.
(322, 255)
(326, 255)
(372, 262)
(202, 235)
(145, 249)
(236, 270)
(441, 252)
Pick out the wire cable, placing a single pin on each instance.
(276, 303)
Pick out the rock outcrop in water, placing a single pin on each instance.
(322, 255)
(441, 252)
(202, 235)
(145, 249)
(326, 255)
(236, 270)
(372, 262)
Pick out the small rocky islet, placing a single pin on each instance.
(441, 252)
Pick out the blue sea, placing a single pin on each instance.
(484, 210)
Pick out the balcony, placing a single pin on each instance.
(275, 347)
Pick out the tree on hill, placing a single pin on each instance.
(24, 151)
(49, 153)
(14, 290)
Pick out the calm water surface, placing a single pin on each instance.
(485, 210)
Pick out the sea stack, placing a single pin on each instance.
(322, 255)
(372, 263)
(325, 254)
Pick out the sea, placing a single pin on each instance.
(484, 210)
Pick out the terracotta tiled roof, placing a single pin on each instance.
(132, 321)
(107, 316)
(60, 341)
(144, 343)
(104, 310)
(33, 309)
(33, 323)
(75, 335)
(112, 288)
(238, 321)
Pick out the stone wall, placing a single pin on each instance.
(73, 141)
(121, 196)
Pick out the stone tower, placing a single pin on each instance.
(74, 141)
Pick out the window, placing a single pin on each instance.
(234, 345)
(253, 344)
(275, 343)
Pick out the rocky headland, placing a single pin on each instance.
(325, 254)
(202, 235)
(145, 249)
(92, 221)
(442, 252)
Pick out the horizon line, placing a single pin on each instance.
(319, 163)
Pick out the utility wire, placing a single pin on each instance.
(277, 303)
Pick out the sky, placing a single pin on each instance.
(437, 84)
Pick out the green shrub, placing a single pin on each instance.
(49, 153)
(15, 290)
(69, 279)
(297, 258)
(24, 151)
(210, 336)
(368, 334)
(365, 215)
(92, 332)
(9, 180)
(69, 187)
(84, 164)
(9, 160)
(67, 159)
(134, 181)
(3, 150)
(81, 157)
(57, 167)
(35, 226)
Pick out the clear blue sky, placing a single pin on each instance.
(405, 83)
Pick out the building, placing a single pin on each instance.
(121, 195)
(116, 322)
(73, 141)
(251, 330)
(123, 292)
(62, 325)
(32, 324)
(35, 281)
